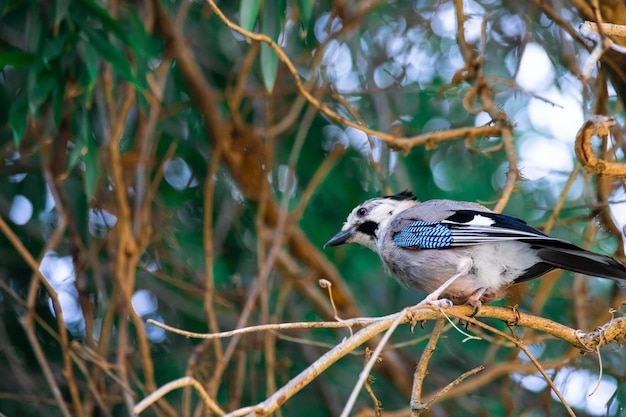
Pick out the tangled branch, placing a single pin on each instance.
(613, 331)
(597, 125)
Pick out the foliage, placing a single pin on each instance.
(186, 161)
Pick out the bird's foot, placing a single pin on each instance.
(474, 301)
(433, 300)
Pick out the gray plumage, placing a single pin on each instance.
(462, 251)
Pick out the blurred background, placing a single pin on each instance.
(161, 162)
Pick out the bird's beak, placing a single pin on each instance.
(340, 238)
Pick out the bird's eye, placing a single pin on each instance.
(361, 212)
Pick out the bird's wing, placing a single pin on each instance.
(470, 227)
(465, 228)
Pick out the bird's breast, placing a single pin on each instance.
(494, 267)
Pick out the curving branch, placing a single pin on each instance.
(404, 144)
(597, 125)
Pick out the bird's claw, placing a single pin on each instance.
(475, 302)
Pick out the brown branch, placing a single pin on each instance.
(27, 321)
(221, 366)
(606, 28)
(597, 125)
(422, 367)
(513, 173)
(209, 250)
(77, 352)
(522, 346)
(401, 317)
(170, 386)
(556, 210)
(445, 390)
(612, 332)
(78, 251)
(404, 144)
(312, 372)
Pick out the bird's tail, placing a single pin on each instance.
(565, 255)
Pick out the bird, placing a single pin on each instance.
(461, 252)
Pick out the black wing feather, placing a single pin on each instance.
(471, 227)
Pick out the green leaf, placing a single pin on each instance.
(248, 12)
(269, 66)
(88, 148)
(61, 8)
(39, 91)
(5, 105)
(92, 170)
(99, 40)
(95, 11)
(16, 59)
(58, 102)
(113, 55)
(79, 134)
(305, 7)
(17, 118)
(270, 26)
(145, 44)
(89, 72)
(92, 62)
(53, 48)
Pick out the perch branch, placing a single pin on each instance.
(613, 331)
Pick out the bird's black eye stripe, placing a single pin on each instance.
(361, 212)
(369, 228)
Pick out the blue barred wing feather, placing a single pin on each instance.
(466, 228)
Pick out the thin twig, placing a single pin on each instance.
(312, 372)
(370, 363)
(266, 327)
(559, 204)
(422, 366)
(442, 392)
(521, 345)
(27, 321)
(404, 144)
(170, 386)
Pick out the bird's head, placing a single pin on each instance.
(365, 221)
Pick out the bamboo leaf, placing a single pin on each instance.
(88, 148)
(305, 7)
(61, 8)
(16, 59)
(95, 11)
(17, 119)
(40, 88)
(113, 55)
(92, 170)
(53, 48)
(270, 26)
(248, 13)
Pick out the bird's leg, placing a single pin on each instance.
(465, 264)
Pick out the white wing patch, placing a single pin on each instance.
(479, 220)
